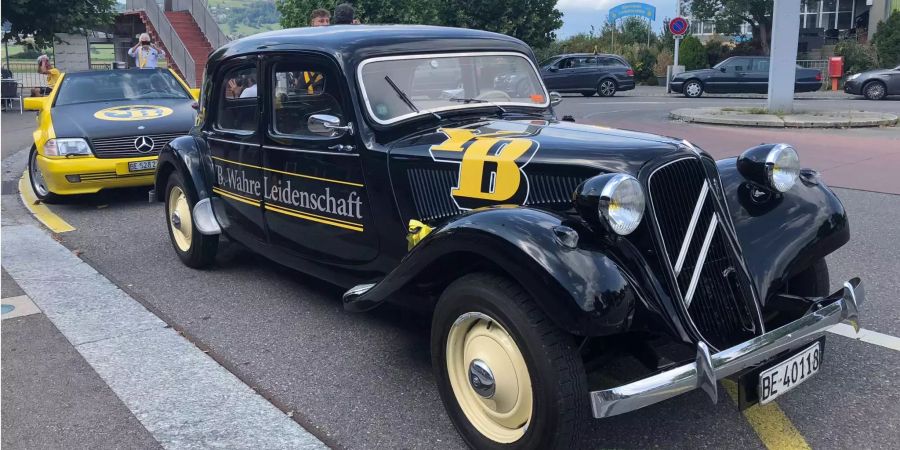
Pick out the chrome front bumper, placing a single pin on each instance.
(707, 369)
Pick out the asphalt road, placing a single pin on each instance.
(364, 380)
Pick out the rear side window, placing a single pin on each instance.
(761, 65)
(238, 100)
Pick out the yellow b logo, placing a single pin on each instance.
(490, 166)
(133, 112)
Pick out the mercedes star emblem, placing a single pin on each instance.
(143, 144)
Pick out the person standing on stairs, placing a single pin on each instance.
(145, 54)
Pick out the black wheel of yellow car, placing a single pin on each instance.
(508, 377)
(193, 248)
(36, 177)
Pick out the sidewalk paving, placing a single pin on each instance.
(660, 91)
(756, 117)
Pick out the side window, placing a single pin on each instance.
(761, 65)
(238, 100)
(738, 65)
(592, 62)
(299, 92)
(567, 63)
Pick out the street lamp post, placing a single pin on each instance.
(783, 56)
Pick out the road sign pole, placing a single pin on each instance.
(783, 56)
(677, 41)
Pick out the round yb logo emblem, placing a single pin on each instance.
(143, 144)
(133, 112)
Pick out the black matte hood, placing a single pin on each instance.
(79, 120)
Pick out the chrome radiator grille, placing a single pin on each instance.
(707, 273)
(125, 146)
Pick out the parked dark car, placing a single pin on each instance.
(739, 74)
(588, 74)
(874, 84)
(566, 270)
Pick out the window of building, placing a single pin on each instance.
(809, 13)
(238, 100)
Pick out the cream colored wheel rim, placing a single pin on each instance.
(505, 415)
(180, 219)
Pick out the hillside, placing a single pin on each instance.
(239, 18)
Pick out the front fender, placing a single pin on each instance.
(183, 155)
(581, 289)
(782, 234)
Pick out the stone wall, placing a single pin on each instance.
(72, 53)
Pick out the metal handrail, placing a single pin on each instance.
(200, 12)
(178, 52)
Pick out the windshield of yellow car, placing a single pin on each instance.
(105, 86)
(398, 88)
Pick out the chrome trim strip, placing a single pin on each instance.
(686, 243)
(844, 307)
(229, 141)
(698, 268)
(365, 94)
(317, 152)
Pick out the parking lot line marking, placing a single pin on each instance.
(39, 210)
(771, 424)
(868, 336)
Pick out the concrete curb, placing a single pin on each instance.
(744, 117)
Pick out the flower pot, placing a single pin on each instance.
(661, 81)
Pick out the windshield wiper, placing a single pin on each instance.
(476, 100)
(405, 98)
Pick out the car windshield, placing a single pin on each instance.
(397, 88)
(103, 86)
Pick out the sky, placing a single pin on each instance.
(579, 15)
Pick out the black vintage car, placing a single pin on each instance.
(567, 270)
(739, 74)
(588, 74)
(874, 84)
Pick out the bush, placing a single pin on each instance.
(692, 54)
(663, 60)
(716, 50)
(857, 57)
(886, 41)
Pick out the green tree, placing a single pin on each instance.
(42, 19)
(666, 39)
(857, 57)
(533, 21)
(730, 14)
(887, 41)
(634, 30)
(692, 54)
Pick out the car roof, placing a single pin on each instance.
(351, 44)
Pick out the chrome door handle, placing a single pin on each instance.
(342, 148)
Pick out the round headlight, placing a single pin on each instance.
(782, 167)
(622, 203)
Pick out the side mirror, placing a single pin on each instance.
(327, 125)
(722, 69)
(555, 98)
(195, 92)
(552, 68)
(34, 103)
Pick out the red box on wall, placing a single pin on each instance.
(836, 67)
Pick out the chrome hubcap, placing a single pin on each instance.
(176, 220)
(37, 178)
(606, 87)
(693, 89)
(482, 378)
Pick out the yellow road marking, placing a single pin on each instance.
(348, 183)
(39, 210)
(773, 427)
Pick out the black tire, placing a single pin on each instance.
(36, 180)
(811, 282)
(874, 90)
(607, 87)
(201, 249)
(588, 94)
(692, 89)
(559, 386)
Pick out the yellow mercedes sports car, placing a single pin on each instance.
(105, 129)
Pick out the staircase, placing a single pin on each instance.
(193, 38)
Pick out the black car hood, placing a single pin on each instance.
(562, 145)
(79, 120)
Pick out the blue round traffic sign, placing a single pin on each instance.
(678, 26)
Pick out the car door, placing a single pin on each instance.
(757, 78)
(731, 76)
(893, 81)
(588, 74)
(315, 201)
(556, 73)
(233, 139)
